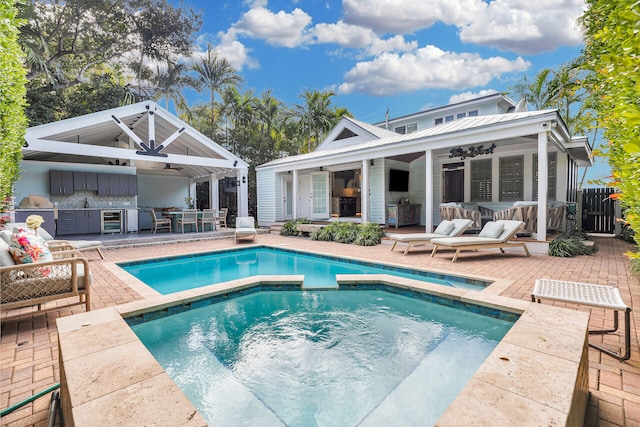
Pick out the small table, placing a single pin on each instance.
(601, 296)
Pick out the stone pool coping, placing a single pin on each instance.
(537, 374)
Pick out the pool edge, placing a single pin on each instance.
(538, 373)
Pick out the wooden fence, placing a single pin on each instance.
(598, 210)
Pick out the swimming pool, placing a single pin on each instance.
(323, 358)
(173, 274)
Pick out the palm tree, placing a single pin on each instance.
(315, 117)
(214, 74)
(541, 92)
(169, 80)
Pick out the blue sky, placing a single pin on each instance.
(400, 55)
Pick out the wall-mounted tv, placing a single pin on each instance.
(398, 180)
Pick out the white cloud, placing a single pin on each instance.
(356, 37)
(346, 35)
(279, 29)
(427, 68)
(526, 27)
(465, 96)
(228, 47)
(407, 16)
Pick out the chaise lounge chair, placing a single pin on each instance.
(79, 245)
(245, 227)
(495, 234)
(453, 228)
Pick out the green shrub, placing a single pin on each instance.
(345, 232)
(324, 234)
(370, 234)
(569, 246)
(290, 227)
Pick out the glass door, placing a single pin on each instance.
(320, 195)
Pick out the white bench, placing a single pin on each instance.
(601, 296)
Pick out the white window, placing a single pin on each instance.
(473, 113)
(448, 118)
(511, 178)
(401, 129)
(438, 121)
(461, 115)
(412, 127)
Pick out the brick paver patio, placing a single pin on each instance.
(29, 353)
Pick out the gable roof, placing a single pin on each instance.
(355, 131)
(471, 130)
(144, 134)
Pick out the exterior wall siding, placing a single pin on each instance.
(265, 180)
(377, 184)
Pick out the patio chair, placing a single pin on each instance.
(245, 228)
(188, 217)
(446, 228)
(221, 219)
(79, 245)
(495, 234)
(208, 217)
(159, 223)
(25, 285)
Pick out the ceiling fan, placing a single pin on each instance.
(167, 166)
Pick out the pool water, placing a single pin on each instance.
(322, 358)
(173, 274)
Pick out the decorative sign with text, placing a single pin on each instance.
(471, 151)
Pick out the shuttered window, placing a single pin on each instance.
(481, 180)
(552, 167)
(511, 178)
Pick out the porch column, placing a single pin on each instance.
(543, 167)
(242, 198)
(295, 194)
(364, 193)
(192, 191)
(428, 185)
(214, 189)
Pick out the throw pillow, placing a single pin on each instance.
(491, 230)
(445, 227)
(28, 248)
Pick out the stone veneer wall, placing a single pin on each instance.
(77, 201)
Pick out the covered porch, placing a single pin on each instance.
(493, 162)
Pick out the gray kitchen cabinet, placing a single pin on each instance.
(60, 182)
(108, 184)
(128, 185)
(87, 181)
(83, 221)
(88, 221)
(66, 223)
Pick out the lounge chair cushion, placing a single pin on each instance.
(445, 227)
(415, 237)
(465, 241)
(491, 230)
(26, 248)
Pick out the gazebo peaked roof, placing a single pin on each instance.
(144, 135)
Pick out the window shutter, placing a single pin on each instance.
(552, 167)
(511, 178)
(481, 180)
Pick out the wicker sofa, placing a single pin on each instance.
(25, 285)
(476, 213)
(528, 213)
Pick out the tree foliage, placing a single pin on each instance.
(74, 43)
(612, 55)
(13, 121)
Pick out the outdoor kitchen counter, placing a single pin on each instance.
(48, 214)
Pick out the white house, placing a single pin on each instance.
(483, 150)
(126, 159)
